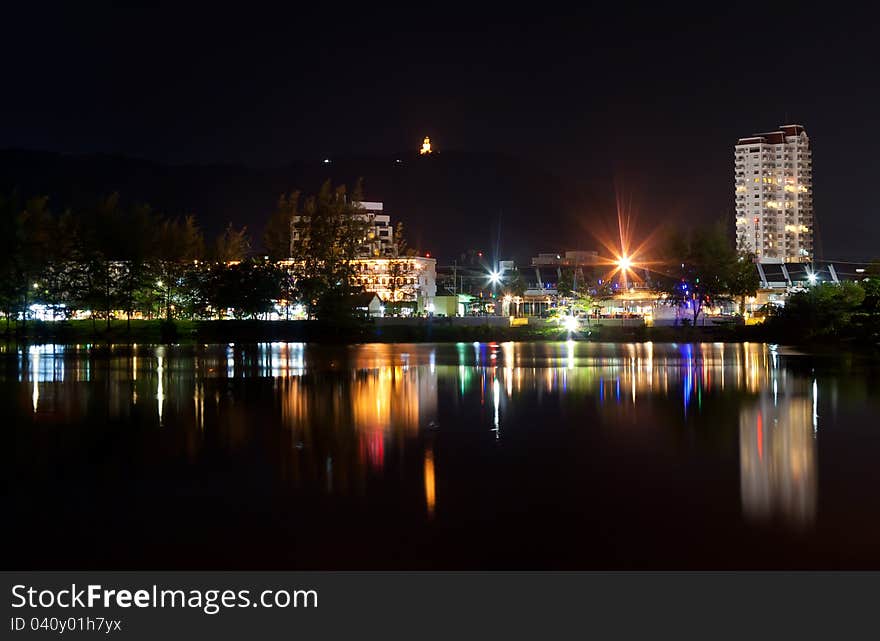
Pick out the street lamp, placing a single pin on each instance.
(624, 263)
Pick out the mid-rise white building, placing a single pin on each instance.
(379, 240)
(773, 175)
(380, 233)
(379, 269)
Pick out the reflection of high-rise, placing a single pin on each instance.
(778, 459)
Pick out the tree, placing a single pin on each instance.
(60, 280)
(871, 286)
(515, 287)
(571, 283)
(137, 247)
(516, 284)
(574, 294)
(10, 243)
(180, 247)
(332, 231)
(823, 309)
(743, 279)
(698, 269)
(248, 288)
(29, 243)
(232, 245)
(565, 283)
(401, 247)
(278, 235)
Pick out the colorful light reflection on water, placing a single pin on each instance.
(346, 421)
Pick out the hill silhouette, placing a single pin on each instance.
(449, 202)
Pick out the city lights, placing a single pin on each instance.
(494, 277)
(624, 263)
(812, 278)
(571, 323)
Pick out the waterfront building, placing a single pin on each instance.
(773, 176)
(379, 239)
(410, 282)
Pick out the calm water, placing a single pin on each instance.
(559, 455)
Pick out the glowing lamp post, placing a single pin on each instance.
(624, 263)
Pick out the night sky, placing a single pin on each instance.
(647, 101)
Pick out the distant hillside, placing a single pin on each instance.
(449, 202)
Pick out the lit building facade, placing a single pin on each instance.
(406, 279)
(380, 270)
(773, 176)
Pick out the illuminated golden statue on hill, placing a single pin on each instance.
(426, 147)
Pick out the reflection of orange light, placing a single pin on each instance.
(760, 437)
(385, 396)
(430, 497)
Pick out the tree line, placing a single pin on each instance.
(848, 311)
(113, 257)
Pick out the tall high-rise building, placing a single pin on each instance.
(774, 196)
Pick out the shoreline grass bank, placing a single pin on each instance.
(226, 331)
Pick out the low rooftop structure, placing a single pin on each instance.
(569, 258)
(786, 275)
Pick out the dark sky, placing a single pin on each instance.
(652, 95)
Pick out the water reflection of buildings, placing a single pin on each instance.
(617, 374)
(777, 449)
(375, 404)
(379, 390)
(338, 415)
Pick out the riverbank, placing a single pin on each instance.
(154, 331)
